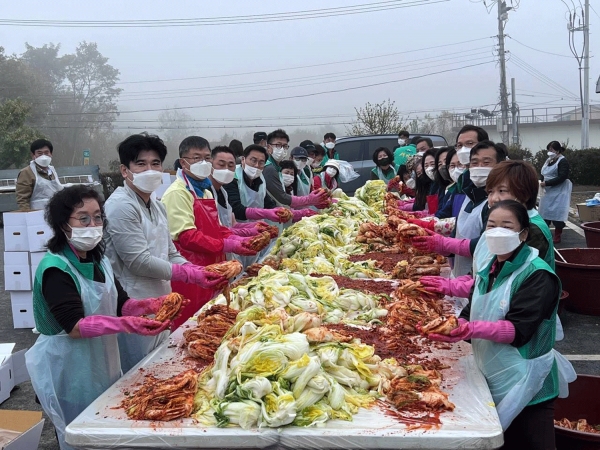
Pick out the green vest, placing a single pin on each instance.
(44, 319)
(543, 339)
(541, 224)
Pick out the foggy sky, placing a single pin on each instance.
(167, 53)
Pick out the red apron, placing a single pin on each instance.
(206, 218)
(432, 203)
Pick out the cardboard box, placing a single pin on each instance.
(34, 258)
(15, 219)
(588, 213)
(27, 427)
(35, 218)
(16, 258)
(15, 238)
(22, 309)
(17, 278)
(38, 235)
(12, 370)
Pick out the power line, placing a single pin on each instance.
(537, 50)
(312, 94)
(540, 76)
(226, 20)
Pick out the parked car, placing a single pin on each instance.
(358, 150)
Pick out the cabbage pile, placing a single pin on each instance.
(266, 374)
(373, 194)
(295, 293)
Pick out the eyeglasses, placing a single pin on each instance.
(196, 159)
(280, 146)
(469, 144)
(256, 162)
(86, 220)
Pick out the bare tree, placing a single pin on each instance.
(379, 118)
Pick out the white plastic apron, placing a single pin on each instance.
(225, 214)
(554, 204)
(68, 374)
(513, 380)
(43, 189)
(133, 347)
(303, 187)
(382, 176)
(468, 226)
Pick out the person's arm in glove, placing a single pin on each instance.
(239, 247)
(502, 332)
(313, 199)
(427, 224)
(190, 273)
(300, 213)
(442, 245)
(267, 214)
(249, 229)
(94, 326)
(393, 184)
(406, 205)
(456, 287)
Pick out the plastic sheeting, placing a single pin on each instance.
(473, 424)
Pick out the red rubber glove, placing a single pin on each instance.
(502, 332)
(192, 274)
(94, 326)
(442, 245)
(300, 213)
(239, 247)
(456, 287)
(427, 224)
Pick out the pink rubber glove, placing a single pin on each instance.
(190, 273)
(239, 247)
(405, 205)
(334, 200)
(94, 326)
(457, 287)
(267, 214)
(135, 307)
(248, 229)
(442, 245)
(502, 332)
(427, 224)
(421, 214)
(300, 213)
(313, 199)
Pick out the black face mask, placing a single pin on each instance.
(383, 162)
(444, 173)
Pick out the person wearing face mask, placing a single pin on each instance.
(423, 144)
(260, 138)
(406, 149)
(328, 179)
(37, 182)
(451, 171)
(278, 146)
(510, 321)
(554, 204)
(289, 176)
(138, 243)
(330, 151)
(300, 158)
(384, 169)
(315, 166)
(79, 308)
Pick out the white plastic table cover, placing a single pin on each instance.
(474, 423)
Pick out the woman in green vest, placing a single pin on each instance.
(79, 307)
(384, 169)
(511, 321)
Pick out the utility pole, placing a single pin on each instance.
(502, 16)
(585, 113)
(515, 125)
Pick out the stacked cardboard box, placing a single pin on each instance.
(25, 238)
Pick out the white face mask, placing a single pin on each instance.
(287, 179)
(411, 183)
(43, 161)
(502, 241)
(479, 175)
(252, 172)
(147, 181)
(430, 172)
(309, 161)
(401, 141)
(331, 171)
(315, 164)
(551, 154)
(85, 238)
(330, 145)
(223, 176)
(300, 164)
(279, 154)
(201, 169)
(456, 173)
(464, 155)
